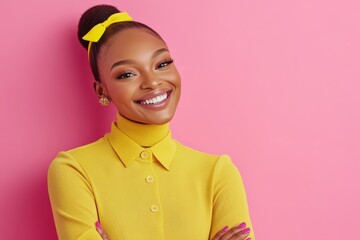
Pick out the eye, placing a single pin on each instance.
(125, 75)
(164, 63)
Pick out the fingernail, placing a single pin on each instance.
(245, 231)
(242, 225)
(98, 225)
(225, 229)
(248, 239)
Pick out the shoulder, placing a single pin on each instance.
(202, 159)
(90, 149)
(82, 156)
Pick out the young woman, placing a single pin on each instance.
(137, 182)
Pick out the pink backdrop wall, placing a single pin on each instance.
(275, 84)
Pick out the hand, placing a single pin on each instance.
(101, 231)
(239, 232)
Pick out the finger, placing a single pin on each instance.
(241, 226)
(243, 234)
(230, 232)
(239, 233)
(101, 231)
(103, 234)
(220, 233)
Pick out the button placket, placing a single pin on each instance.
(154, 206)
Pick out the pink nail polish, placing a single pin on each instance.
(242, 225)
(245, 231)
(98, 225)
(225, 229)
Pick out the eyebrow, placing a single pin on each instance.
(128, 61)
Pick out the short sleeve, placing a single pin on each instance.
(230, 206)
(72, 200)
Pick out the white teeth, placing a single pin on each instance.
(155, 99)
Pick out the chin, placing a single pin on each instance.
(159, 118)
(160, 121)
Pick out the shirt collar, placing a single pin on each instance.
(129, 139)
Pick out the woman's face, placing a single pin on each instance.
(138, 75)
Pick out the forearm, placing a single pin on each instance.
(72, 201)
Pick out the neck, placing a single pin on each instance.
(145, 135)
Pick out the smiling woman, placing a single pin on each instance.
(137, 182)
(138, 74)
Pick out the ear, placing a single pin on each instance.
(99, 89)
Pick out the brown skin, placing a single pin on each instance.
(234, 233)
(146, 70)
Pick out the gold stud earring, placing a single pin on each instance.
(104, 100)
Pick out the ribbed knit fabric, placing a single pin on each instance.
(141, 184)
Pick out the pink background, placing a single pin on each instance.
(275, 84)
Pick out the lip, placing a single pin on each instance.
(154, 94)
(156, 106)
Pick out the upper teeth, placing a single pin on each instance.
(155, 99)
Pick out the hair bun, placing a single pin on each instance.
(91, 17)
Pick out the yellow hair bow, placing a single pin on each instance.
(98, 30)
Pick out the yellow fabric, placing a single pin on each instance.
(98, 30)
(142, 184)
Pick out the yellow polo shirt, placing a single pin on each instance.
(142, 184)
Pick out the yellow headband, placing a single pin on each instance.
(98, 30)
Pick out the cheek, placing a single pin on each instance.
(121, 92)
(175, 78)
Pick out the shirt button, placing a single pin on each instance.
(149, 179)
(154, 208)
(144, 154)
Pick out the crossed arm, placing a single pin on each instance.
(76, 216)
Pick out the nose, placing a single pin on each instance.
(149, 81)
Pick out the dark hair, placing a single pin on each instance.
(99, 14)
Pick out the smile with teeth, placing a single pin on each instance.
(155, 100)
